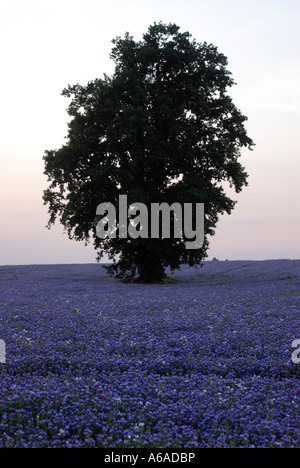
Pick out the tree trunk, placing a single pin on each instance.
(151, 271)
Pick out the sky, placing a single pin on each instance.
(46, 45)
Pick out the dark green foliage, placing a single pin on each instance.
(161, 129)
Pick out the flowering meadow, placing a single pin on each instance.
(202, 361)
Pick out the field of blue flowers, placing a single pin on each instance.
(203, 361)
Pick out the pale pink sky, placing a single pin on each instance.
(42, 55)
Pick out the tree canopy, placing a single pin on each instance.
(162, 128)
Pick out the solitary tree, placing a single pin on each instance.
(161, 129)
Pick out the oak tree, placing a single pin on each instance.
(162, 128)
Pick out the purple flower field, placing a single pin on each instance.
(204, 361)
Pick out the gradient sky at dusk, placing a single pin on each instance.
(46, 45)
